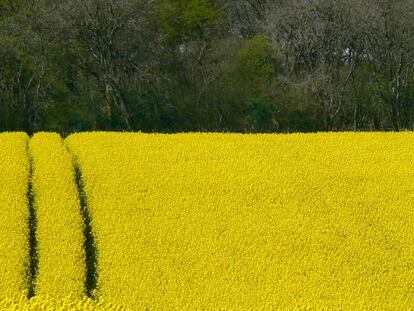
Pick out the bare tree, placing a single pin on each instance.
(113, 37)
(388, 35)
(320, 45)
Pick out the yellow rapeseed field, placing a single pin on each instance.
(45, 303)
(14, 213)
(59, 231)
(207, 221)
(217, 221)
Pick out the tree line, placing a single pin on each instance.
(206, 65)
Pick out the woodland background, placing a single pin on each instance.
(206, 65)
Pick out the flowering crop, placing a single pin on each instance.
(219, 221)
(209, 221)
(14, 213)
(59, 231)
(22, 303)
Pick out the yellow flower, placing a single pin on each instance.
(229, 221)
(14, 213)
(59, 230)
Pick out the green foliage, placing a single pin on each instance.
(9, 8)
(258, 59)
(260, 116)
(204, 65)
(183, 20)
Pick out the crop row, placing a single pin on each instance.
(59, 231)
(14, 213)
